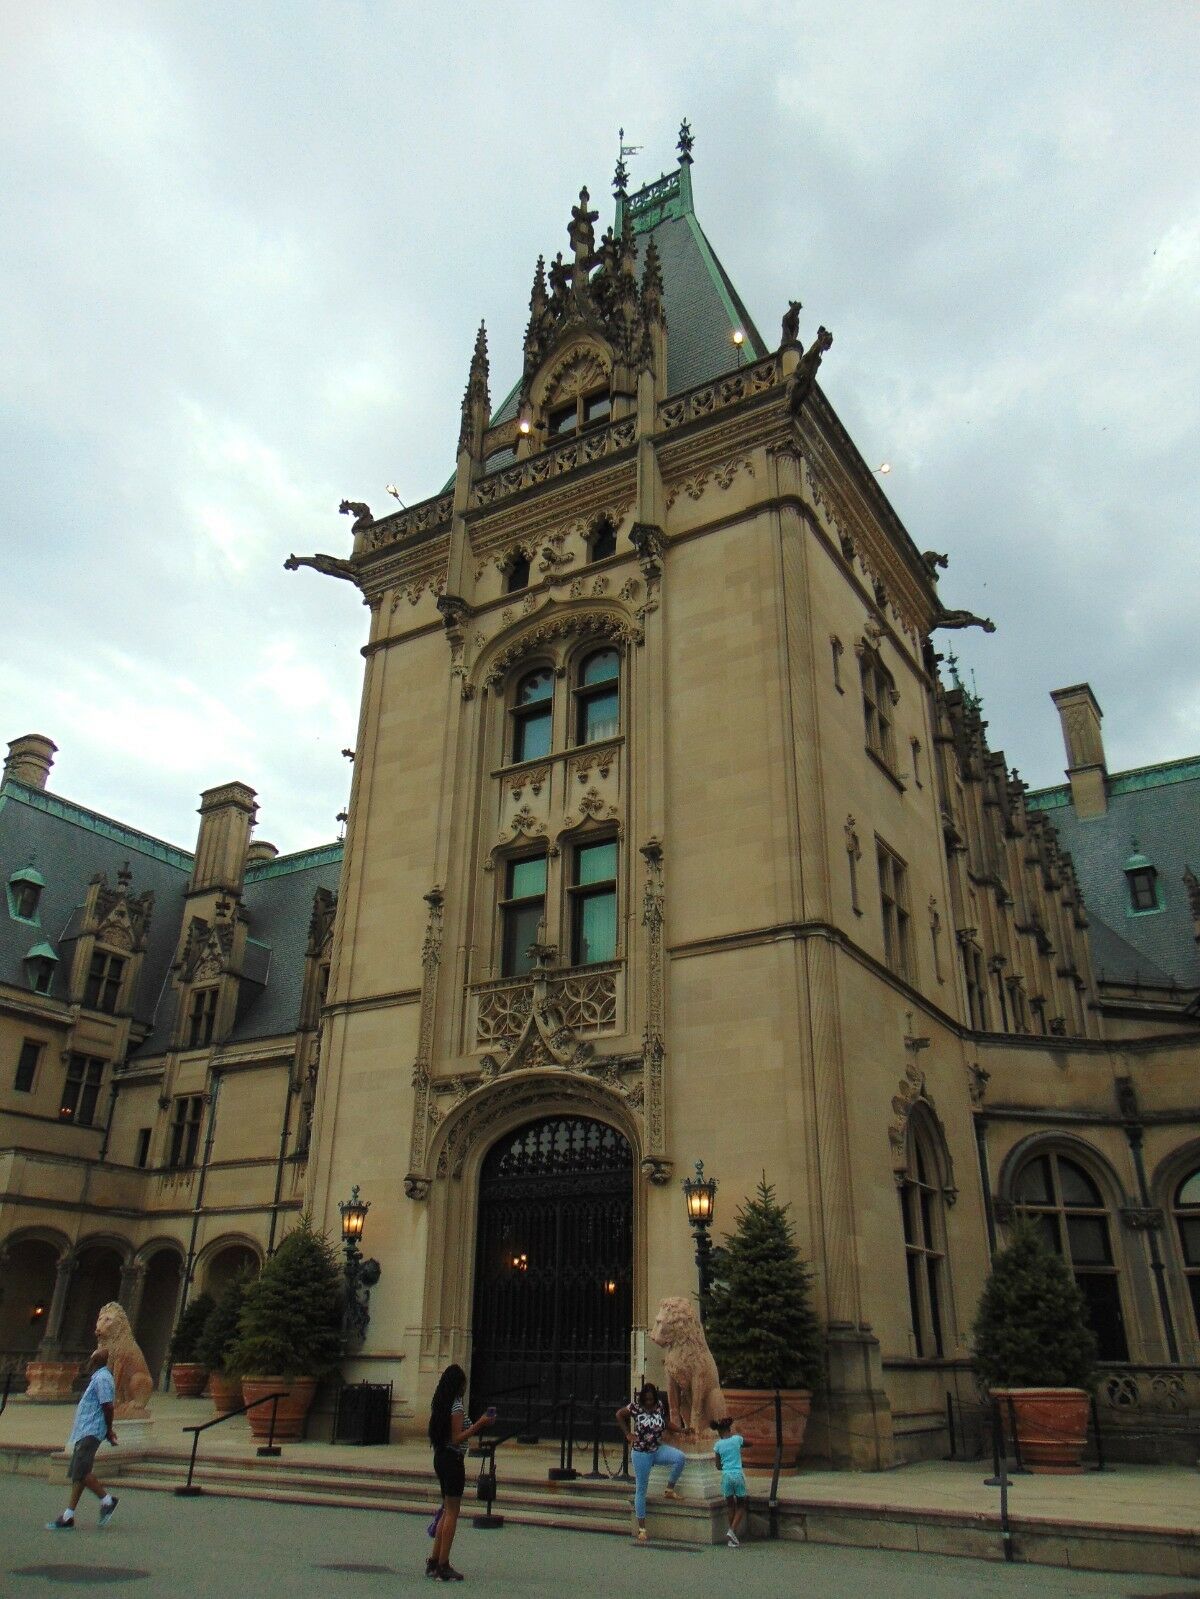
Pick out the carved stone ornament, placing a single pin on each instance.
(206, 950)
(977, 1081)
(599, 624)
(722, 476)
(122, 919)
(1142, 1218)
(431, 953)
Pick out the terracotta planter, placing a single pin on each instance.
(48, 1382)
(1052, 1426)
(292, 1409)
(226, 1392)
(188, 1378)
(752, 1411)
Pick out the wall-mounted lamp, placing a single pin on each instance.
(361, 1275)
(883, 468)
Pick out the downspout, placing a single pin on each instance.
(190, 1264)
(985, 1179)
(1134, 1132)
(283, 1139)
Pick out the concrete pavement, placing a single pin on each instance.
(158, 1545)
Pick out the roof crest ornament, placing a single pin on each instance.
(686, 140)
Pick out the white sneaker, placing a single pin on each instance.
(731, 1538)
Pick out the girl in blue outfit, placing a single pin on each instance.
(728, 1451)
(643, 1421)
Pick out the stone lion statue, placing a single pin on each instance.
(693, 1387)
(130, 1373)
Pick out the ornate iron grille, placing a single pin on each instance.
(553, 1264)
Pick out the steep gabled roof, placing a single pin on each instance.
(1159, 807)
(703, 308)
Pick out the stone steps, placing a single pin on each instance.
(592, 1507)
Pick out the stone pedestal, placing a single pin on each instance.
(852, 1422)
(48, 1382)
(698, 1516)
(133, 1437)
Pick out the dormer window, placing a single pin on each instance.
(585, 411)
(24, 894)
(1142, 878)
(39, 964)
(517, 576)
(201, 1017)
(103, 985)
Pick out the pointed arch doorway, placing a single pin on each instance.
(554, 1264)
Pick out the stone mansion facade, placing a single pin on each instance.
(670, 838)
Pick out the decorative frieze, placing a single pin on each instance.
(712, 397)
(407, 524)
(722, 476)
(594, 445)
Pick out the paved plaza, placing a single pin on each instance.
(158, 1545)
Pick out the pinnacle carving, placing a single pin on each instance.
(476, 406)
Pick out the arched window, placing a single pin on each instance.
(602, 541)
(1187, 1220)
(1070, 1209)
(517, 576)
(533, 710)
(923, 1210)
(585, 411)
(597, 697)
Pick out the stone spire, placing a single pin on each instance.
(476, 406)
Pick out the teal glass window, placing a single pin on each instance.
(521, 913)
(533, 715)
(598, 698)
(594, 904)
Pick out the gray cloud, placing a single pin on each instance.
(245, 250)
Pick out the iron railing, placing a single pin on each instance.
(190, 1489)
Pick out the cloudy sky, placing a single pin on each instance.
(244, 249)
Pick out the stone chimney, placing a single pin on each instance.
(226, 817)
(30, 759)
(1080, 716)
(259, 852)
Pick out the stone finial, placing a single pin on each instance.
(652, 284)
(582, 234)
(620, 180)
(686, 140)
(789, 332)
(30, 759)
(476, 405)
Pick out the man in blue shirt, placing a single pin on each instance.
(93, 1424)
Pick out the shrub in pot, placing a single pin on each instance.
(188, 1371)
(216, 1342)
(762, 1328)
(1036, 1352)
(290, 1333)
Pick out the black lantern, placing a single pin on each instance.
(700, 1197)
(361, 1275)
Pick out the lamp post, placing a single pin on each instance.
(700, 1197)
(361, 1275)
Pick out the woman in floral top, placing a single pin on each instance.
(643, 1421)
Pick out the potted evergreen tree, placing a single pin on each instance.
(1036, 1352)
(187, 1369)
(762, 1328)
(216, 1342)
(291, 1331)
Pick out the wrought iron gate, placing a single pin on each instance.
(553, 1264)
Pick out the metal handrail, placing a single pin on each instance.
(189, 1489)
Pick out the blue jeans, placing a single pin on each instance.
(643, 1461)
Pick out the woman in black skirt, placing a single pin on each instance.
(449, 1432)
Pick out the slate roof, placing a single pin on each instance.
(703, 307)
(69, 844)
(1159, 806)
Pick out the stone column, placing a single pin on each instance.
(133, 1282)
(48, 1377)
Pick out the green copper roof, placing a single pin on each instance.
(302, 861)
(1134, 781)
(27, 874)
(40, 952)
